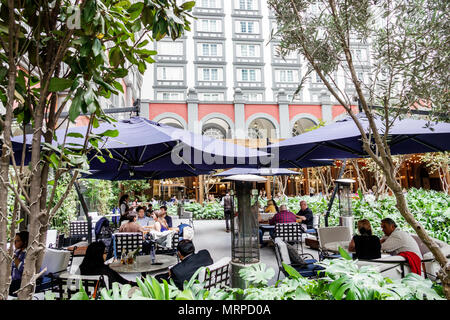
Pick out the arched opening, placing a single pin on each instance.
(302, 125)
(216, 128)
(261, 128)
(171, 122)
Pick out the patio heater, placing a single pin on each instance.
(244, 227)
(345, 203)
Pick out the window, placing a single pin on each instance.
(248, 50)
(290, 55)
(211, 96)
(318, 79)
(248, 75)
(209, 49)
(208, 25)
(246, 5)
(252, 96)
(210, 74)
(360, 76)
(247, 26)
(170, 48)
(169, 96)
(209, 4)
(360, 55)
(170, 73)
(286, 76)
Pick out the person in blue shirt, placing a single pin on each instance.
(17, 265)
(142, 219)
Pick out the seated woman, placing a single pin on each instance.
(366, 245)
(271, 207)
(160, 222)
(21, 244)
(94, 264)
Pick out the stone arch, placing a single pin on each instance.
(220, 116)
(172, 115)
(265, 116)
(302, 116)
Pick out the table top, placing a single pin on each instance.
(144, 264)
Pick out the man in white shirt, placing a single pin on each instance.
(396, 240)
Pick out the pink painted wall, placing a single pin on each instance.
(338, 110)
(314, 110)
(159, 108)
(270, 109)
(226, 109)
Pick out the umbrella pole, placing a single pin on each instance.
(85, 209)
(330, 204)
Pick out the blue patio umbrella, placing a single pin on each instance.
(141, 175)
(342, 139)
(256, 171)
(145, 145)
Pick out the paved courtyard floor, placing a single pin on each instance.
(211, 235)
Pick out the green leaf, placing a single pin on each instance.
(75, 108)
(291, 271)
(185, 295)
(135, 10)
(59, 84)
(344, 254)
(115, 56)
(110, 133)
(188, 5)
(96, 47)
(75, 135)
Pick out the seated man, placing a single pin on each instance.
(305, 215)
(190, 262)
(399, 242)
(142, 220)
(168, 218)
(284, 216)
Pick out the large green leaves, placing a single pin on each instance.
(59, 84)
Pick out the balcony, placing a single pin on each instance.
(210, 84)
(250, 84)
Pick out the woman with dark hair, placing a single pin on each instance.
(21, 244)
(123, 206)
(365, 245)
(94, 264)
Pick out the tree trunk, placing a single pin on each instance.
(5, 258)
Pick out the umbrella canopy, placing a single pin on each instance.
(141, 175)
(245, 177)
(148, 146)
(342, 139)
(258, 172)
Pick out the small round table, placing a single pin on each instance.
(143, 265)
